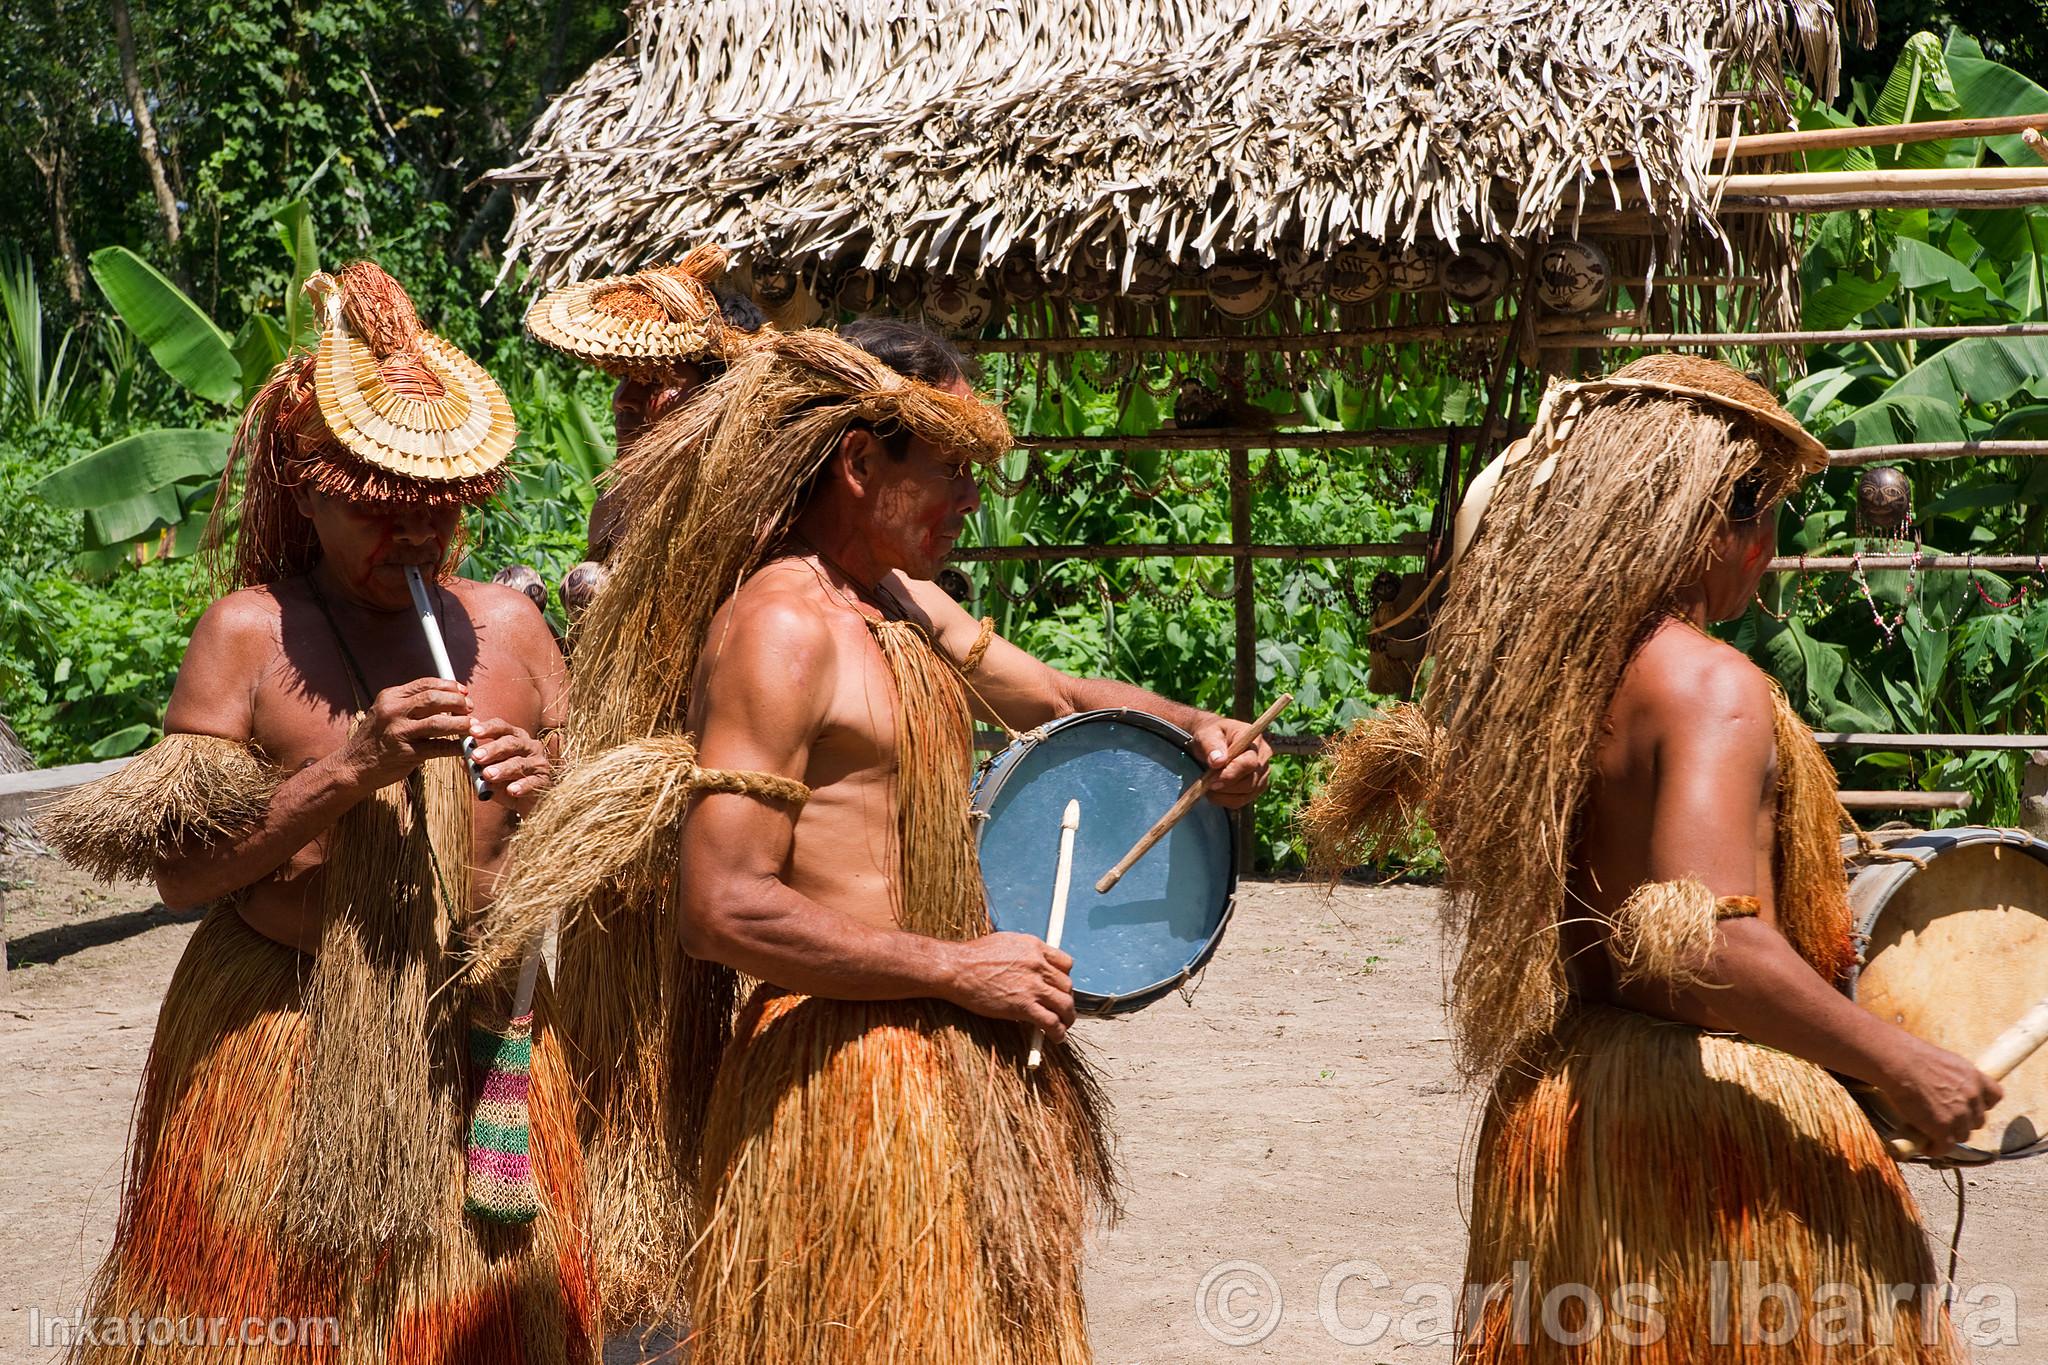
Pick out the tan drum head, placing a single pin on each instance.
(1957, 952)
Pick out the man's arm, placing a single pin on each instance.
(1715, 752)
(215, 695)
(1023, 692)
(764, 704)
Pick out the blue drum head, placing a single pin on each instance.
(1162, 920)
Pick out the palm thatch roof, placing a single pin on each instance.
(949, 134)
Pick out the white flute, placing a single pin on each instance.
(1070, 821)
(438, 647)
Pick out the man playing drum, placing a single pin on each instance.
(1643, 852)
(881, 1176)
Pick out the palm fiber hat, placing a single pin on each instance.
(638, 326)
(1787, 461)
(399, 398)
(381, 411)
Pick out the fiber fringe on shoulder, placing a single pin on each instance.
(183, 792)
(609, 819)
(1380, 776)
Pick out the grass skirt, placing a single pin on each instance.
(885, 1182)
(202, 1233)
(1628, 1151)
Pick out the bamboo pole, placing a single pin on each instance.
(1937, 563)
(1876, 135)
(1844, 336)
(1231, 439)
(1860, 800)
(1947, 178)
(1853, 739)
(1396, 549)
(2022, 196)
(1237, 345)
(1933, 450)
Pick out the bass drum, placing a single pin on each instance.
(1156, 927)
(1955, 951)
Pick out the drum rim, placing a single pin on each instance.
(988, 784)
(1932, 842)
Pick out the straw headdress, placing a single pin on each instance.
(1589, 533)
(1676, 376)
(638, 326)
(381, 410)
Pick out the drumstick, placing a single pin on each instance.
(1062, 879)
(439, 649)
(1190, 796)
(1999, 1060)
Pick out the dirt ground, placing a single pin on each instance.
(1293, 1136)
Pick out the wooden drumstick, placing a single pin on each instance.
(1998, 1061)
(1062, 880)
(438, 647)
(1188, 798)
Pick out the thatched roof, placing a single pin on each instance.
(946, 133)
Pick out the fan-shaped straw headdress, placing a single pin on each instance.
(638, 326)
(381, 410)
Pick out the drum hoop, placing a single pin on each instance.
(988, 784)
(1933, 843)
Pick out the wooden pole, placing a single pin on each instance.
(1904, 800)
(1237, 345)
(1933, 450)
(1937, 563)
(1245, 608)
(1876, 135)
(2018, 197)
(1222, 439)
(1852, 739)
(1398, 549)
(1601, 341)
(1947, 179)
(1245, 671)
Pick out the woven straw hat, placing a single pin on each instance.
(382, 413)
(638, 326)
(1668, 375)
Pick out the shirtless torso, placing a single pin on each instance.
(265, 665)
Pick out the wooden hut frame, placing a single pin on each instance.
(1108, 175)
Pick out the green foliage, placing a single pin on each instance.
(1935, 652)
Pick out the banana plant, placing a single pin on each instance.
(148, 494)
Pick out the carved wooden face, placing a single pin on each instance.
(1884, 501)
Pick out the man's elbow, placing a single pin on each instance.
(713, 922)
(179, 888)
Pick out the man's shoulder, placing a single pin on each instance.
(248, 618)
(1686, 674)
(782, 611)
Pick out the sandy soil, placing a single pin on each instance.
(1292, 1135)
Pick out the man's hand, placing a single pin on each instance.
(404, 727)
(1016, 977)
(513, 762)
(1937, 1094)
(1240, 783)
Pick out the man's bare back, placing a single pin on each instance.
(264, 665)
(1690, 721)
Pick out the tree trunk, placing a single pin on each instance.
(145, 126)
(56, 171)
